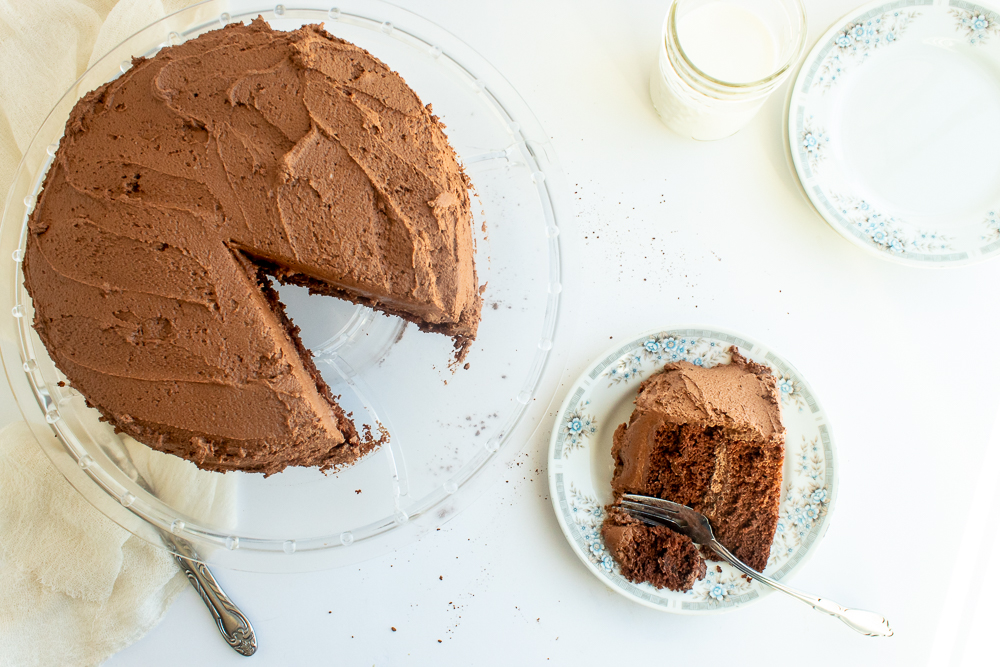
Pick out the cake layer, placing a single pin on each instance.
(245, 150)
(711, 439)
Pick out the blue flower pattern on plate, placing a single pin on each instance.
(804, 505)
(578, 427)
(977, 25)
(789, 390)
(718, 585)
(992, 224)
(814, 140)
(588, 515)
(888, 233)
(856, 41)
(665, 348)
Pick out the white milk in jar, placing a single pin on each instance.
(720, 59)
(728, 43)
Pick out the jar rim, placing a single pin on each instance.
(671, 38)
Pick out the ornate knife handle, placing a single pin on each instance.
(233, 625)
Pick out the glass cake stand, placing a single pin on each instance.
(451, 432)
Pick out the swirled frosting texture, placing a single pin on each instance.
(180, 184)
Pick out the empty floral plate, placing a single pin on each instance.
(580, 464)
(890, 130)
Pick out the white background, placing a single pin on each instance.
(670, 231)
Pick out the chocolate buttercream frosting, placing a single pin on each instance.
(182, 187)
(708, 438)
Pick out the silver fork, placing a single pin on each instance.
(686, 521)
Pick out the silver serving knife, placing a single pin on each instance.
(232, 623)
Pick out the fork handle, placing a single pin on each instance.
(866, 622)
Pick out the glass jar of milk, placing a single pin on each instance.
(720, 59)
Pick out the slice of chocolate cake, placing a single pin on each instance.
(711, 439)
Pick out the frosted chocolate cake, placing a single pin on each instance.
(182, 188)
(711, 439)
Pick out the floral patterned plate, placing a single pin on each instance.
(890, 130)
(580, 464)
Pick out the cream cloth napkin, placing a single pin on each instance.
(75, 587)
(45, 45)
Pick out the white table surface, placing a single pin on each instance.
(670, 231)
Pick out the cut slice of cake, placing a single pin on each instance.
(711, 439)
(181, 187)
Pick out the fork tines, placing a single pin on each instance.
(659, 512)
(639, 512)
(651, 515)
(658, 503)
